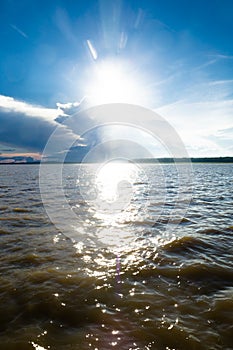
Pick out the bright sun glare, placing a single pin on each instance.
(113, 82)
(110, 176)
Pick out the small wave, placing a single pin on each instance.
(185, 243)
(21, 210)
(28, 190)
(3, 208)
(221, 311)
(215, 231)
(207, 272)
(224, 294)
(4, 232)
(174, 220)
(9, 218)
(210, 230)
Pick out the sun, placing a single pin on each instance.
(114, 82)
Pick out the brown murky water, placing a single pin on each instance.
(129, 283)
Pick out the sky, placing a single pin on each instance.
(174, 57)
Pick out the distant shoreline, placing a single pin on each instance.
(185, 160)
(147, 160)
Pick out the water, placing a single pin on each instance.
(135, 277)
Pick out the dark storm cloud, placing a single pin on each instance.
(27, 126)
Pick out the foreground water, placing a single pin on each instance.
(133, 281)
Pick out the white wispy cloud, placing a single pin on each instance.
(8, 103)
(221, 56)
(201, 104)
(220, 82)
(198, 122)
(18, 30)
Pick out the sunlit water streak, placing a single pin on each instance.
(131, 284)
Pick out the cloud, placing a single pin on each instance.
(18, 30)
(21, 158)
(201, 107)
(75, 116)
(226, 133)
(27, 126)
(203, 125)
(10, 104)
(221, 82)
(224, 57)
(7, 150)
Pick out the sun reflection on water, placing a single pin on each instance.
(114, 206)
(113, 177)
(116, 201)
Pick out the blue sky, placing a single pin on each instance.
(179, 52)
